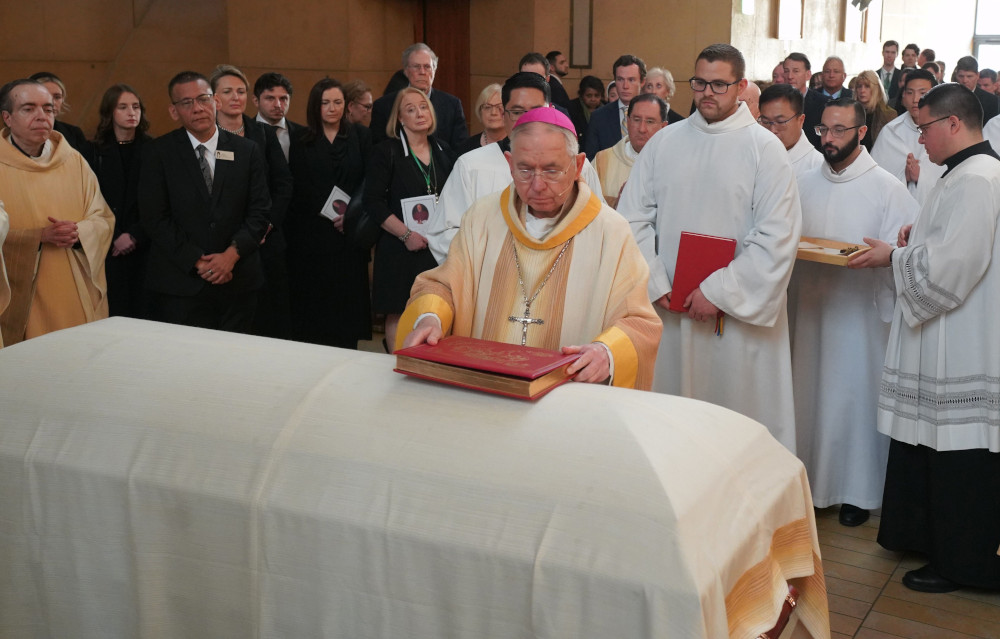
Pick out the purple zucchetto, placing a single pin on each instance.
(548, 115)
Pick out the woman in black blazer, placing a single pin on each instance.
(412, 162)
(328, 276)
(116, 158)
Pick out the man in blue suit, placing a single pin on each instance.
(607, 124)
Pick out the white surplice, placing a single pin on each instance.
(898, 139)
(731, 179)
(991, 131)
(941, 382)
(476, 174)
(804, 158)
(840, 332)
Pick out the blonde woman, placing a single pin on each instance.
(660, 82)
(869, 92)
(411, 163)
(489, 112)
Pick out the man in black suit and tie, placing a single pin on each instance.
(203, 201)
(967, 74)
(797, 73)
(420, 64)
(272, 94)
(888, 73)
(607, 124)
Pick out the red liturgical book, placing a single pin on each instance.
(505, 369)
(698, 256)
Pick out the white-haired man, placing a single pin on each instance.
(544, 264)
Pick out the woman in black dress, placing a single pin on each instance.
(328, 276)
(115, 159)
(412, 162)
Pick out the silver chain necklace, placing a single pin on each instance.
(528, 319)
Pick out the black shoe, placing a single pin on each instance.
(852, 515)
(927, 579)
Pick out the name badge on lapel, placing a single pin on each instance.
(225, 155)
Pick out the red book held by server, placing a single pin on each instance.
(698, 256)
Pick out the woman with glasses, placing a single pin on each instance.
(115, 160)
(359, 102)
(869, 92)
(411, 164)
(489, 111)
(327, 275)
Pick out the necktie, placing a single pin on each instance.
(624, 123)
(206, 170)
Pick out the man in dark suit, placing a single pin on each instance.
(420, 64)
(833, 79)
(272, 94)
(607, 124)
(888, 74)
(558, 69)
(967, 74)
(203, 201)
(797, 73)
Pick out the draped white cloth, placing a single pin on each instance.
(898, 139)
(731, 179)
(476, 174)
(165, 481)
(941, 383)
(840, 331)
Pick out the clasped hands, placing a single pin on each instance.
(592, 367)
(61, 233)
(217, 268)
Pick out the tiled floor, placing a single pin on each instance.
(868, 600)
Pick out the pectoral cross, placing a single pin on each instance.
(525, 321)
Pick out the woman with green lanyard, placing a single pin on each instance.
(404, 179)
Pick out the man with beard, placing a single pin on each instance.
(837, 327)
(941, 379)
(647, 114)
(898, 149)
(747, 368)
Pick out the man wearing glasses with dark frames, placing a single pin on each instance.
(204, 202)
(720, 173)
(939, 398)
(781, 114)
(840, 318)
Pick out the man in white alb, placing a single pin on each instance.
(842, 318)
(781, 114)
(719, 173)
(898, 149)
(485, 170)
(939, 399)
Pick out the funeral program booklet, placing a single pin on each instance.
(336, 204)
